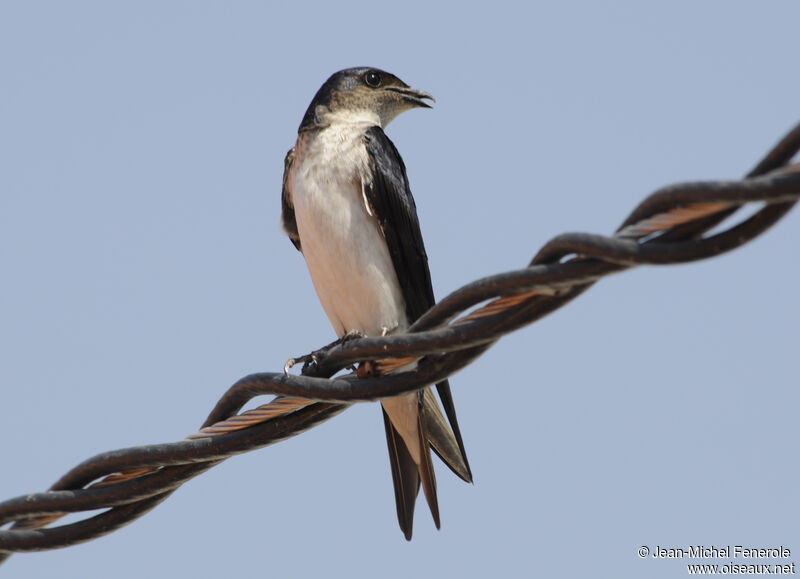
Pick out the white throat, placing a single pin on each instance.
(354, 117)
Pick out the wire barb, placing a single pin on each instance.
(677, 224)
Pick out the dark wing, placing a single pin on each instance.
(287, 206)
(389, 197)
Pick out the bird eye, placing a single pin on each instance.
(372, 79)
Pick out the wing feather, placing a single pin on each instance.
(389, 198)
(288, 220)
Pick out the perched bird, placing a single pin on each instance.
(347, 206)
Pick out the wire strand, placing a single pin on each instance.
(673, 225)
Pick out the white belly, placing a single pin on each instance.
(343, 245)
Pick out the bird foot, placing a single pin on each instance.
(350, 336)
(315, 356)
(308, 358)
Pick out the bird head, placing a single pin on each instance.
(362, 95)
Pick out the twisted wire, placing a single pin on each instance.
(676, 224)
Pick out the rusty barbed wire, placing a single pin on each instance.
(677, 224)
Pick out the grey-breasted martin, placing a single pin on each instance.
(347, 207)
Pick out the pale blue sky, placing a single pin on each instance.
(144, 271)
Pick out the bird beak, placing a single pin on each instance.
(413, 96)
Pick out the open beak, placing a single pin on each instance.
(413, 96)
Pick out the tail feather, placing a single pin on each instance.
(442, 439)
(446, 396)
(426, 468)
(410, 452)
(405, 476)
